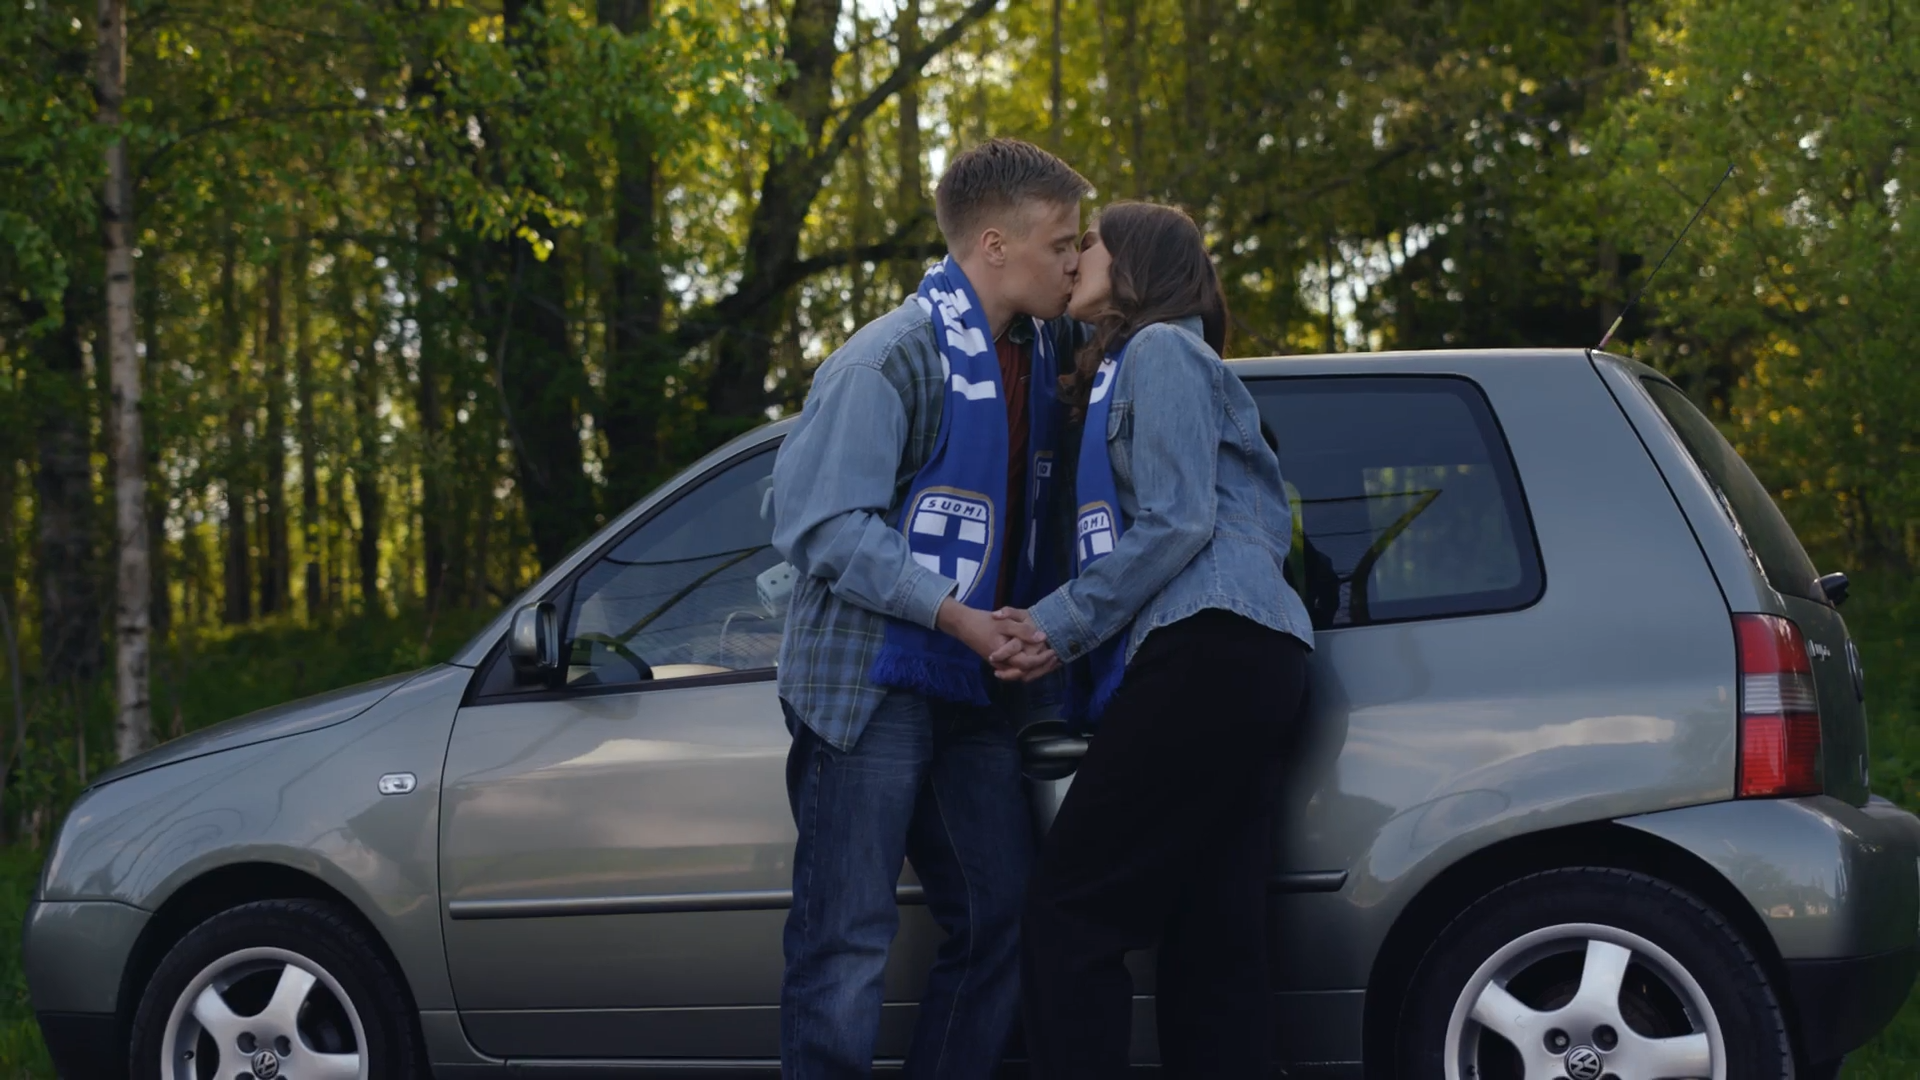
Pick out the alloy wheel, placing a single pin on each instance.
(264, 1014)
(1582, 1001)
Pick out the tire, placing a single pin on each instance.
(1517, 987)
(301, 980)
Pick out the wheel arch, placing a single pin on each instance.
(1458, 887)
(224, 888)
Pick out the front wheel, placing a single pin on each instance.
(276, 990)
(1588, 974)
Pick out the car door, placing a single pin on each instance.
(616, 848)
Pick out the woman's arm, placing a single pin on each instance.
(1175, 381)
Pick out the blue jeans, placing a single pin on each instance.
(938, 785)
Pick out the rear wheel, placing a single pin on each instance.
(276, 990)
(1591, 973)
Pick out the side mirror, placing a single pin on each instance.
(1834, 586)
(533, 642)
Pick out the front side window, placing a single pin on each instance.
(696, 590)
(1405, 500)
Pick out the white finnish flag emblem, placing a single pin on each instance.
(1096, 532)
(961, 530)
(1102, 382)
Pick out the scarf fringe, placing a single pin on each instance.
(949, 678)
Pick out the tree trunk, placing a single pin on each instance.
(238, 566)
(275, 581)
(133, 720)
(538, 376)
(913, 176)
(157, 486)
(433, 462)
(308, 430)
(740, 328)
(736, 390)
(70, 605)
(1055, 93)
(635, 369)
(1136, 107)
(366, 467)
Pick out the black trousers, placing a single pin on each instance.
(1165, 838)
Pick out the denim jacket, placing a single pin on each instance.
(870, 423)
(1207, 519)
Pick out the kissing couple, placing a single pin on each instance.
(1032, 485)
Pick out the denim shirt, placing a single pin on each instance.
(870, 422)
(1207, 520)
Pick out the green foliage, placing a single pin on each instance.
(1791, 305)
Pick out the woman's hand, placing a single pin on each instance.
(1025, 656)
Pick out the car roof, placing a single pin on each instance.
(1400, 361)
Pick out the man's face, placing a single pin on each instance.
(1037, 277)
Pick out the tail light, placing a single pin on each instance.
(1779, 710)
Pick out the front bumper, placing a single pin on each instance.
(85, 1046)
(75, 954)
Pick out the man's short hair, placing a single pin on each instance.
(996, 177)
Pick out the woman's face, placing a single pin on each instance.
(1093, 286)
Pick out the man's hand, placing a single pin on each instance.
(1026, 655)
(975, 629)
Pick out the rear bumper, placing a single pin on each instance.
(1837, 887)
(1841, 1004)
(84, 1046)
(1828, 880)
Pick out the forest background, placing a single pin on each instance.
(325, 324)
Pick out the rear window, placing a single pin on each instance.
(1748, 506)
(1405, 501)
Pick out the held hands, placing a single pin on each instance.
(1007, 638)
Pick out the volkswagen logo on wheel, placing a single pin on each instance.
(1583, 1063)
(266, 1065)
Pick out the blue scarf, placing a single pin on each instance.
(1092, 682)
(952, 516)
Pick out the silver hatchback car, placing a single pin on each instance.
(1583, 794)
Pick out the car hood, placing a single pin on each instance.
(279, 721)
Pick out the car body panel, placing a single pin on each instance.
(1843, 730)
(1739, 577)
(1431, 739)
(309, 803)
(278, 722)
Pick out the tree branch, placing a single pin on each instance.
(702, 324)
(909, 69)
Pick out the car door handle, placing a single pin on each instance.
(1048, 751)
(1060, 748)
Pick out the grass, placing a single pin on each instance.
(233, 673)
(1886, 629)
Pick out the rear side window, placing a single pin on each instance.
(1748, 506)
(1405, 501)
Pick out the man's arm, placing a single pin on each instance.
(832, 485)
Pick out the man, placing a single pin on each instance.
(906, 498)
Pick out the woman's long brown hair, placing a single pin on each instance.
(1160, 272)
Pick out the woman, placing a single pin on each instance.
(1187, 655)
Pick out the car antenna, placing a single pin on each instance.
(1622, 317)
